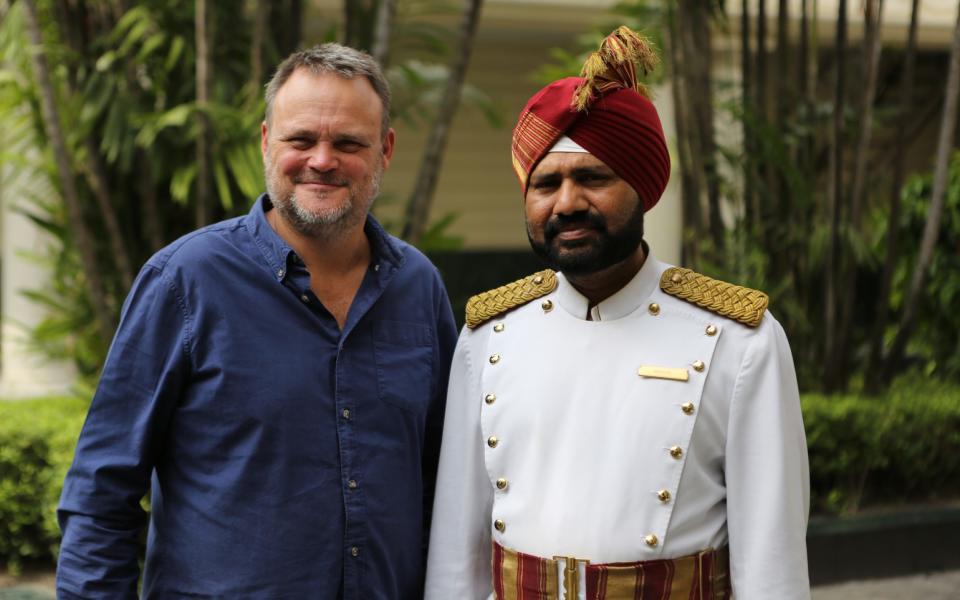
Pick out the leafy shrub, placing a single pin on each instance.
(37, 440)
(901, 447)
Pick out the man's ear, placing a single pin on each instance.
(389, 141)
(263, 138)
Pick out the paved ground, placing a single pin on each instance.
(938, 586)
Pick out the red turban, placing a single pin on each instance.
(607, 112)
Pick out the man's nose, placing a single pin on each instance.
(323, 158)
(570, 199)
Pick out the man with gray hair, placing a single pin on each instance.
(276, 381)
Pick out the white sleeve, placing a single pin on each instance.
(458, 564)
(767, 474)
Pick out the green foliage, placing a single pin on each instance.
(37, 439)
(899, 448)
(936, 345)
(646, 17)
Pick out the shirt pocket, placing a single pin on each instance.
(404, 356)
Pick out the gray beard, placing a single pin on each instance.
(331, 224)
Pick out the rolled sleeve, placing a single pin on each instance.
(99, 511)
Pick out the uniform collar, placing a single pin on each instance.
(622, 303)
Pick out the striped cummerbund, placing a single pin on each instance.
(519, 576)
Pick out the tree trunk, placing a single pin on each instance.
(872, 385)
(202, 206)
(383, 28)
(873, 18)
(418, 206)
(152, 222)
(689, 186)
(746, 71)
(835, 203)
(97, 177)
(872, 46)
(93, 169)
(777, 202)
(78, 228)
(704, 64)
(261, 17)
(931, 230)
(358, 17)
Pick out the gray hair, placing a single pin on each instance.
(333, 58)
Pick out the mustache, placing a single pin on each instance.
(582, 219)
(322, 178)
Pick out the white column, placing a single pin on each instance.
(663, 225)
(23, 372)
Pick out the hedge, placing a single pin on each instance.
(899, 448)
(902, 447)
(37, 439)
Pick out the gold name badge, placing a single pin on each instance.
(674, 374)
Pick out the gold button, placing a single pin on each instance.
(687, 408)
(676, 278)
(664, 496)
(498, 327)
(490, 398)
(676, 451)
(538, 279)
(711, 330)
(547, 306)
(499, 525)
(501, 484)
(354, 551)
(492, 441)
(494, 359)
(698, 366)
(654, 308)
(346, 413)
(651, 540)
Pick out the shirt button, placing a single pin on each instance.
(354, 551)
(280, 273)
(502, 484)
(676, 452)
(651, 540)
(352, 484)
(305, 298)
(492, 441)
(687, 408)
(376, 267)
(345, 413)
(499, 525)
(490, 398)
(663, 496)
(498, 327)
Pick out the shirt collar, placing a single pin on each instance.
(626, 300)
(277, 252)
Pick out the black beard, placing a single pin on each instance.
(584, 257)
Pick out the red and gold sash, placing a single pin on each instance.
(701, 576)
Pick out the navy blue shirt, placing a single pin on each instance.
(285, 458)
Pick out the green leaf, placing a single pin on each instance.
(223, 184)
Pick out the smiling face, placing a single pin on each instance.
(581, 216)
(323, 152)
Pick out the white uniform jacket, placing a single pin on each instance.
(553, 445)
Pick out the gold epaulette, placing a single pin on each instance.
(485, 306)
(733, 301)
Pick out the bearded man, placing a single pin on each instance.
(277, 381)
(616, 428)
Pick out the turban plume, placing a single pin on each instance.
(607, 110)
